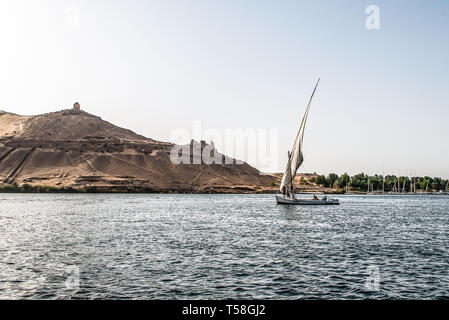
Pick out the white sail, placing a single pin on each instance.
(296, 157)
(287, 178)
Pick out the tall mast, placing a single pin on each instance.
(368, 183)
(414, 182)
(291, 184)
(296, 157)
(347, 185)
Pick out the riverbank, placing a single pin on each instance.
(146, 190)
(25, 188)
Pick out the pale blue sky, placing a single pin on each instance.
(157, 66)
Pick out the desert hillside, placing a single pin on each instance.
(72, 148)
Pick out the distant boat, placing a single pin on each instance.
(295, 159)
(281, 199)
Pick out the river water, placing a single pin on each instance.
(122, 246)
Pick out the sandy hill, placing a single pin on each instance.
(72, 148)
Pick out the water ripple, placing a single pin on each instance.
(222, 246)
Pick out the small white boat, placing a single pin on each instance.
(295, 159)
(281, 199)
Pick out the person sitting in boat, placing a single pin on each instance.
(315, 197)
(324, 198)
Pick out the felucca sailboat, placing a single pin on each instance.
(295, 159)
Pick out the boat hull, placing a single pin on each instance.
(306, 202)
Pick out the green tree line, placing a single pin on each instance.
(359, 182)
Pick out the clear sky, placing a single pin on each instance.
(158, 66)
